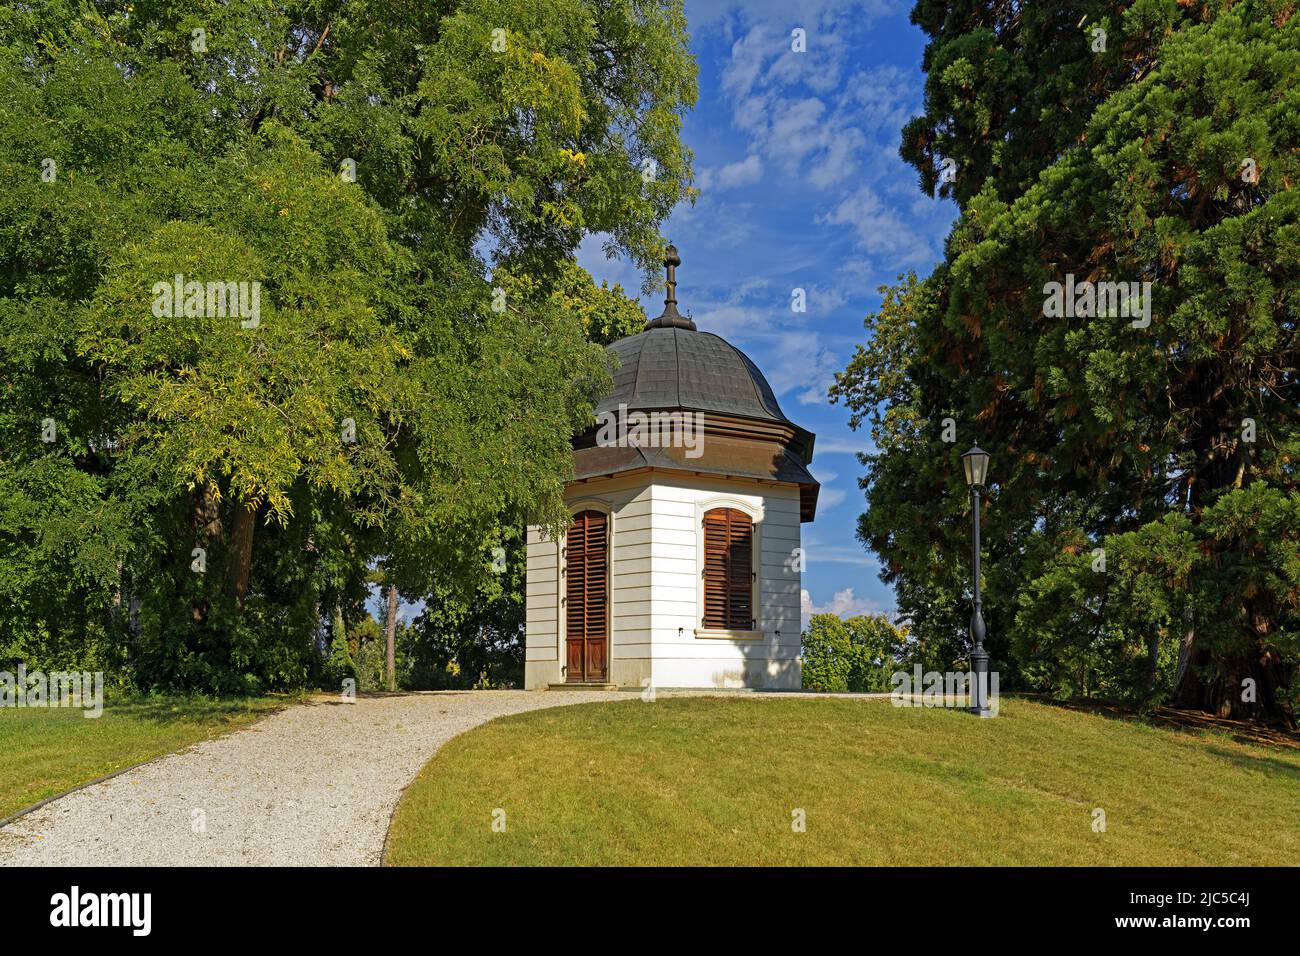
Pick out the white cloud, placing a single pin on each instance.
(823, 300)
(717, 13)
(885, 97)
(744, 172)
(801, 362)
(805, 112)
(880, 230)
(843, 604)
(788, 102)
(838, 161)
(825, 120)
(724, 320)
(748, 60)
(831, 446)
(828, 498)
(842, 554)
(730, 223)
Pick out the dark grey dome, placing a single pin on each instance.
(674, 366)
(668, 367)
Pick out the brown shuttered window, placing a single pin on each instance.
(728, 570)
(586, 593)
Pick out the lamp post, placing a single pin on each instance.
(976, 464)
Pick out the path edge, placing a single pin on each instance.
(19, 814)
(82, 786)
(383, 851)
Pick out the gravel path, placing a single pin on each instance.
(311, 785)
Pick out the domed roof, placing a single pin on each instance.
(673, 367)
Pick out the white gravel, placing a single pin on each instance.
(312, 785)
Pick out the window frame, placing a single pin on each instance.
(755, 513)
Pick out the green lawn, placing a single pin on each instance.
(711, 781)
(46, 750)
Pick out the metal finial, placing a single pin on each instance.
(671, 262)
(671, 317)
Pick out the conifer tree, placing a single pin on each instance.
(1143, 531)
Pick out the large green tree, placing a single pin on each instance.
(189, 492)
(1144, 522)
(470, 631)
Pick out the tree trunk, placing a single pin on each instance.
(1223, 695)
(1186, 691)
(1153, 660)
(205, 520)
(390, 639)
(318, 633)
(241, 552)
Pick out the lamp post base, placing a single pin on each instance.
(979, 678)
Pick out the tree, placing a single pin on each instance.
(1126, 453)
(478, 632)
(606, 314)
(474, 640)
(857, 654)
(348, 164)
(390, 641)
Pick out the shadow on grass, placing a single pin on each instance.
(1172, 718)
(1269, 766)
(174, 709)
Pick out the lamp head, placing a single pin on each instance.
(976, 464)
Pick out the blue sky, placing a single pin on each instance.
(796, 157)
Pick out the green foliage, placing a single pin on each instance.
(476, 641)
(366, 644)
(1109, 633)
(857, 654)
(381, 410)
(606, 314)
(1126, 165)
(339, 663)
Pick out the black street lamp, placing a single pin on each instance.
(976, 463)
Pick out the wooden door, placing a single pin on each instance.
(586, 590)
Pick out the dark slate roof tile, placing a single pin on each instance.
(684, 368)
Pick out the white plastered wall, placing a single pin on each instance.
(656, 632)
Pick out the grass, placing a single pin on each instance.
(709, 781)
(45, 751)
